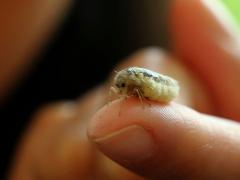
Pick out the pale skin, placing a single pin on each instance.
(177, 141)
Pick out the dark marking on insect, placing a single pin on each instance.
(157, 79)
(146, 74)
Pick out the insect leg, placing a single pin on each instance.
(140, 96)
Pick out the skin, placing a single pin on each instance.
(158, 141)
(25, 27)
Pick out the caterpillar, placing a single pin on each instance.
(145, 84)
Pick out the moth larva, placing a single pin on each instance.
(145, 83)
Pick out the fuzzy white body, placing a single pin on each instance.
(148, 84)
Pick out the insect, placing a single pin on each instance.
(145, 84)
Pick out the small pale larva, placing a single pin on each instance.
(145, 84)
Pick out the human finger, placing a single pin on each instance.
(170, 141)
(55, 144)
(206, 39)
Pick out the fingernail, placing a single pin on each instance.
(132, 143)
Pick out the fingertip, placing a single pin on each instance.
(119, 114)
(165, 140)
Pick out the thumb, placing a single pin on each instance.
(167, 141)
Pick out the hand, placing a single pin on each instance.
(176, 142)
(160, 141)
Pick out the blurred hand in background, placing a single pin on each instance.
(162, 141)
